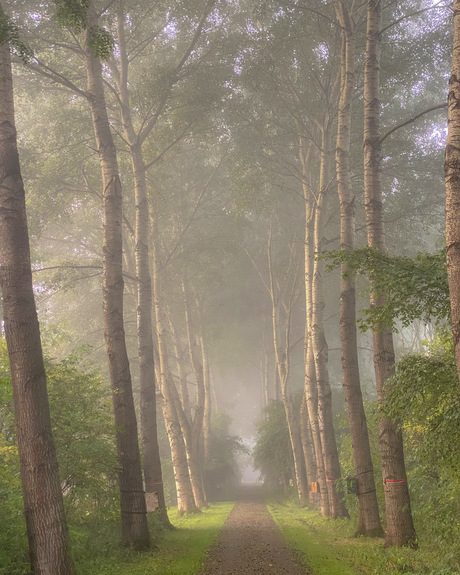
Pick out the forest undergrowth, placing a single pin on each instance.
(178, 551)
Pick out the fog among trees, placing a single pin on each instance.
(233, 267)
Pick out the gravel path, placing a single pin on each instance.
(250, 542)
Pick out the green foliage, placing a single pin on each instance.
(84, 438)
(272, 452)
(9, 32)
(221, 473)
(72, 13)
(13, 540)
(412, 288)
(100, 42)
(425, 397)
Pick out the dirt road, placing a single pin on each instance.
(250, 542)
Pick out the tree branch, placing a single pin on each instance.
(412, 14)
(143, 134)
(411, 120)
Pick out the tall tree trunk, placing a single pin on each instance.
(264, 379)
(186, 423)
(181, 370)
(281, 344)
(276, 382)
(134, 526)
(49, 545)
(185, 499)
(400, 527)
(148, 409)
(310, 387)
(318, 338)
(308, 452)
(369, 520)
(452, 174)
(193, 463)
(207, 402)
(198, 417)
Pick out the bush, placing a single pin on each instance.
(85, 444)
(425, 398)
(273, 452)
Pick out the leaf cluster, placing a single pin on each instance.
(83, 431)
(406, 288)
(9, 32)
(100, 42)
(272, 452)
(72, 13)
(425, 395)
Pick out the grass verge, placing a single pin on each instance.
(178, 552)
(328, 547)
(313, 536)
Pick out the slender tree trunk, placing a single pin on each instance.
(276, 382)
(369, 520)
(185, 499)
(148, 409)
(452, 174)
(400, 527)
(207, 402)
(133, 509)
(282, 361)
(49, 545)
(207, 405)
(294, 436)
(181, 371)
(264, 364)
(310, 387)
(318, 339)
(198, 418)
(308, 452)
(192, 459)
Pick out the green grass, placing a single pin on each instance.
(178, 552)
(328, 547)
(313, 537)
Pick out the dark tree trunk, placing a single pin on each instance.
(369, 520)
(400, 528)
(452, 173)
(47, 532)
(148, 406)
(135, 531)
